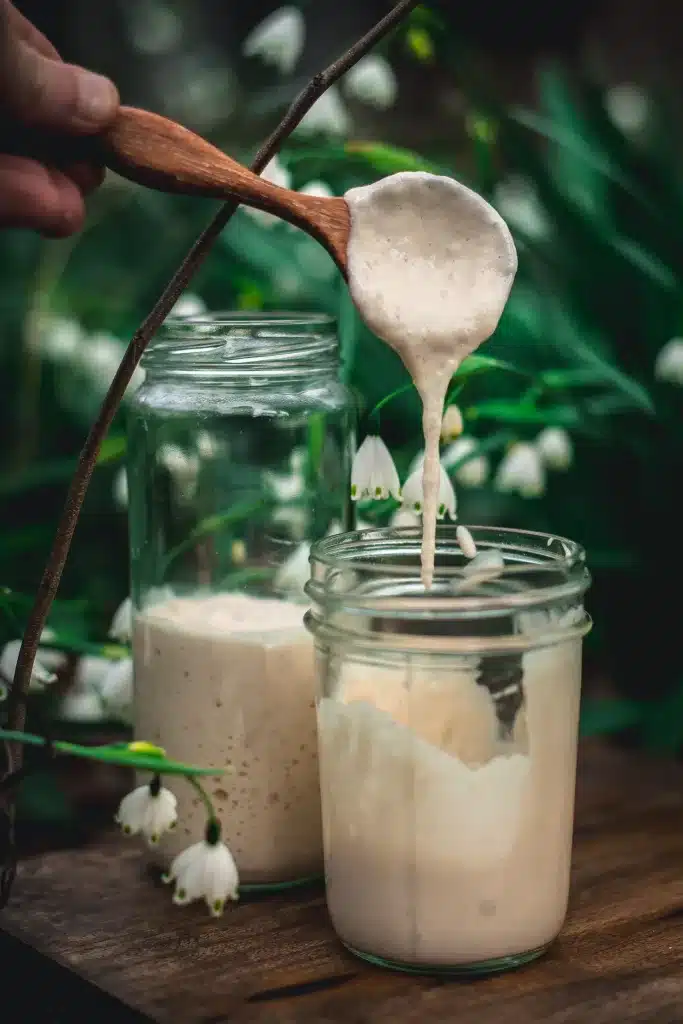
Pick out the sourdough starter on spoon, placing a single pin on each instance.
(430, 267)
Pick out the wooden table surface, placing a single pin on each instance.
(95, 918)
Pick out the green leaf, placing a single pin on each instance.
(390, 159)
(475, 364)
(595, 159)
(509, 412)
(599, 717)
(114, 753)
(78, 645)
(214, 524)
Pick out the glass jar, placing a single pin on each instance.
(447, 734)
(240, 444)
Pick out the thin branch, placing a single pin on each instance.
(194, 259)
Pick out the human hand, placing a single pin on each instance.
(46, 97)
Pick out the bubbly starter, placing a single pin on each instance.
(226, 680)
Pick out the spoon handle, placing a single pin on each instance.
(153, 151)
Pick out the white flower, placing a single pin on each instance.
(451, 424)
(317, 188)
(207, 445)
(289, 486)
(120, 488)
(189, 305)
(413, 497)
(116, 689)
(555, 446)
(372, 81)
(183, 468)
(327, 116)
(149, 809)
(474, 472)
(82, 706)
(294, 573)
(628, 107)
(59, 338)
(404, 517)
(373, 473)
(206, 871)
(121, 627)
(277, 174)
(517, 201)
(43, 666)
(521, 470)
(466, 542)
(669, 362)
(101, 357)
(278, 40)
(154, 28)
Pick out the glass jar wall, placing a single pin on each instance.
(447, 731)
(240, 446)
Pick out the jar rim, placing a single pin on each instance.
(244, 346)
(373, 576)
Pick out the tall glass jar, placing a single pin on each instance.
(447, 732)
(240, 446)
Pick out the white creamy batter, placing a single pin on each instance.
(227, 679)
(444, 843)
(430, 267)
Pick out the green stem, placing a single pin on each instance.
(204, 796)
(387, 398)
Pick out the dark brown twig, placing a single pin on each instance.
(195, 257)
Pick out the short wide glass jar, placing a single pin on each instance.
(240, 446)
(447, 735)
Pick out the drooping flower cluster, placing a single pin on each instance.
(205, 870)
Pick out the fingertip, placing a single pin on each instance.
(68, 212)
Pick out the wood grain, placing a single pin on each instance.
(163, 155)
(619, 960)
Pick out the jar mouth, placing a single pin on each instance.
(241, 344)
(367, 584)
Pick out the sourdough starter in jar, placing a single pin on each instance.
(447, 843)
(229, 679)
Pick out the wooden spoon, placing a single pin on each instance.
(163, 155)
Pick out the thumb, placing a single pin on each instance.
(42, 91)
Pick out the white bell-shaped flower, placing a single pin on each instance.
(293, 574)
(404, 517)
(121, 627)
(150, 810)
(628, 107)
(451, 425)
(556, 448)
(413, 494)
(206, 871)
(278, 40)
(521, 471)
(518, 203)
(372, 81)
(327, 116)
(475, 471)
(44, 666)
(277, 174)
(373, 473)
(318, 189)
(116, 690)
(669, 362)
(189, 304)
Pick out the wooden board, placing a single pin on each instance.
(98, 913)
